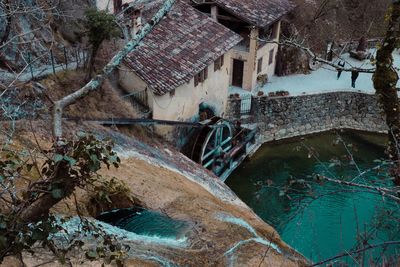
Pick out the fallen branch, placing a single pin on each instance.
(97, 81)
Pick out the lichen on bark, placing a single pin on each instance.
(385, 80)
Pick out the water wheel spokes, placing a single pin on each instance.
(217, 143)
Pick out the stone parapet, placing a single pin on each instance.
(292, 116)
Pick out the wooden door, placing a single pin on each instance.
(237, 73)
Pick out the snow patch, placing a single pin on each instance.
(325, 79)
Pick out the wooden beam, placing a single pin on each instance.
(227, 18)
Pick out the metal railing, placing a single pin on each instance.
(30, 66)
(245, 104)
(139, 99)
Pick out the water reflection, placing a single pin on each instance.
(321, 220)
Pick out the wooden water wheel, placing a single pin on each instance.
(212, 143)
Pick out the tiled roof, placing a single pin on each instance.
(260, 13)
(179, 47)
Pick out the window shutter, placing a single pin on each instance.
(196, 80)
(205, 73)
(222, 61)
(216, 65)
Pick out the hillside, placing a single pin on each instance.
(321, 21)
(161, 179)
(43, 58)
(315, 23)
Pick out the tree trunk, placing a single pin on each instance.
(46, 201)
(92, 62)
(385, 80)
(8, 21)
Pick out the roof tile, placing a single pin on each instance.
(180, 46)
(260, 13)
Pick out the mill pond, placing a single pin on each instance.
(283, 183)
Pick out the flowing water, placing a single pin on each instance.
(145, 222)
(319, 219)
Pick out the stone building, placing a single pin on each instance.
(253, 58)
(182, 65)
(191, 58)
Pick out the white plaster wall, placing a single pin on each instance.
(133, 83)
(108, 5)
(184, 105)
(264, 53)
(244, 56)
(249, 84)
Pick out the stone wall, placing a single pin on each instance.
(285, 117)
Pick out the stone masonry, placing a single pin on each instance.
(292, 116)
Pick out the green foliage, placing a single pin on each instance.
(68, 165)
(14, 238)
(101, 26)
(80, 159)
(105, 189)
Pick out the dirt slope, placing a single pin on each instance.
(223, 230)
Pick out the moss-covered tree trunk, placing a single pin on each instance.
(385, 80)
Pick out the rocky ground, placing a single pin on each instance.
(223, 230)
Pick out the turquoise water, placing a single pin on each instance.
(322, 220)
(145, 222)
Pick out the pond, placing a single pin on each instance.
(281, 183)
(145, 222)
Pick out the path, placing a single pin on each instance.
(39, 72)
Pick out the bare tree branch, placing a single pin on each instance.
(310, 53)
(97, 81)
(349, 253)
(385, 192)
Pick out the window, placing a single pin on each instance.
(259, 65)
(271, 57)
(205, 74)
(201, 76)
(219, 63)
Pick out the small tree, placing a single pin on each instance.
(101, 26)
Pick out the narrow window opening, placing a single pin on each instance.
(201, 76)
(219, 62)
(271, 57)
(259, 65)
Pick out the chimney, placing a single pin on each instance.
(136, 21)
